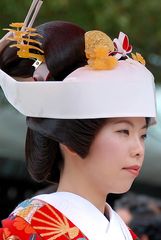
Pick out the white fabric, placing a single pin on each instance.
(125, 91)
(117, 228)
(87, 217)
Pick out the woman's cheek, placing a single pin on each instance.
(109, 147)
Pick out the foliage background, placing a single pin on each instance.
(140, 20)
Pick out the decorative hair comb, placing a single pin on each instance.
(22, 34)
(103, 53)
(23, 39)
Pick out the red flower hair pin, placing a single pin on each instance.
(122, 46)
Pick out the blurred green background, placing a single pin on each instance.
(140, 20)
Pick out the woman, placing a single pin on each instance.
(86, 132)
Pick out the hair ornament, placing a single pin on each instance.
(122, 46)
(23, 42)
(85, 92)
(138, 57)
(22, 33)
(103, 53)
(98, 47)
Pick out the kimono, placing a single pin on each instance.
(63, 215)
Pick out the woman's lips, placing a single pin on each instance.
(135, 169)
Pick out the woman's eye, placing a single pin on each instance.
(144, 136)
(124, 131)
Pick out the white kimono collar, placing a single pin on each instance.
(117, 228)
(87, 217)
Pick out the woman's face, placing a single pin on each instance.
(116, 154)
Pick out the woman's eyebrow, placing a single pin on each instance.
(130, 123)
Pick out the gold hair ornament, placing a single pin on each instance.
(23, 33)
(23, 41)
(138, 57)
(103, 53)
(97, 48)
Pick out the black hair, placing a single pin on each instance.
(13, 65)
(43, 155)
(64, 51)
(63, 46)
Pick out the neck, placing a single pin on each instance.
(81, 186)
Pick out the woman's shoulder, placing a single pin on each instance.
(18, 225)
(27, 208)
(35, 219)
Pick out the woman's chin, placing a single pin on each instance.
(122, 189)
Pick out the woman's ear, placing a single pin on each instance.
(67, 150)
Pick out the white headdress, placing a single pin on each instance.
(111, 85)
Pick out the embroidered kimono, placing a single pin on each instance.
(63, 215)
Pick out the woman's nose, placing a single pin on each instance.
(137, 148)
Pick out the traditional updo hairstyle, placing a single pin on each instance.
(13, 65)
(63, 45)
